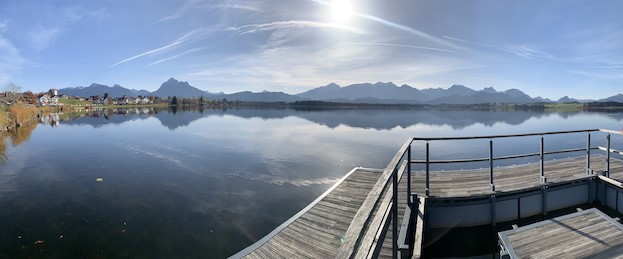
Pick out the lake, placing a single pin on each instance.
(147, 183)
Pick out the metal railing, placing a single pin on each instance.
(541, 154)
(405, 154)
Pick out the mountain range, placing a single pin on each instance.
(386, 93)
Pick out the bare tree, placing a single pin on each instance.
(12, 91)
(12, 88)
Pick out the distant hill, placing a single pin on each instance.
(377, 93)
(567, 99)
(542, 100)
(616, 98)
(458, 90)
(480, 97)
(264, 96)
(392, 94)
(96, 89)
(172, 87)
(378, 90)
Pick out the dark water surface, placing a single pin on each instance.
(208, 183)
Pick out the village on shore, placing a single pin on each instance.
(52, 98)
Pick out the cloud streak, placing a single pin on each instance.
(405, 46)
(178, 41)
(176, 56)
(238, 6)
(519, 50)
(179, 12)
(400, 27)
(11, 58)
(41, 38)
(608, 74)
(255, 28)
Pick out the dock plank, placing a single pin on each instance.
(584, 234)
(467, 183)
(318, 232)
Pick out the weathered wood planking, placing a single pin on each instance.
(318, 231)
(584, 234)
(466, 183)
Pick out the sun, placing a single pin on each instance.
(342, 10)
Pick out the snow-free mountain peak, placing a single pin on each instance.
(489, 90)
(460, 90)
(173, 87)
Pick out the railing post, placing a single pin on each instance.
(395, 213)
(409, 176)
(427, 169)
(543, 178)
(588, 153)
(491, 165)
(608, 157)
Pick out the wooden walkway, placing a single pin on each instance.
(584, 234)
(466, 183)
(317, 231)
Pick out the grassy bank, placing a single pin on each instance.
(17, 115)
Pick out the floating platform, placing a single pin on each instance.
(584, 234)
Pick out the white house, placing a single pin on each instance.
(44, 100)
(47, 100)
(54, 101)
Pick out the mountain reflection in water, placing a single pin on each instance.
(208, 182)
(380, 119)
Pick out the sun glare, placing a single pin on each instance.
(342, 10)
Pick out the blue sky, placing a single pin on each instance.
(545, 48)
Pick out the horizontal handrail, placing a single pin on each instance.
(516, 135)
(356, 244)
(612, 150)
(361, 239)
(500, 157)
(611, 131)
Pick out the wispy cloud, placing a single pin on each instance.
(183, 9)
(405, 46)
(527, 52)
(176, 56)
(294, 68)
(178, 41)
(409, 30)
(254, 28)
(608, 73)
(11, 58)
(3, 26)
(42, 37)
(246, 7)
(169, 17)
(400, 27)
(45, 33)
(523, 51)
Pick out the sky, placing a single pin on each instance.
(544, 48)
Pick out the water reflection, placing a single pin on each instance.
(16, 136)
(379, 119)
(207, 182)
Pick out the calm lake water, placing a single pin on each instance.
(206, 184)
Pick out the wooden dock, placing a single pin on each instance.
(357, 217)
(318, 230)
(469, 183)
(585, 234)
